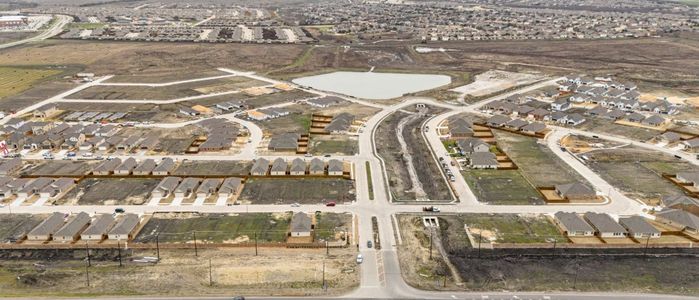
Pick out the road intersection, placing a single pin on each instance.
(380, 271)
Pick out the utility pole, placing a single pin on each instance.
(211, 280)
(430, 244)
(323, 274)
(255, 243)
(87, 275)
(480, 237)
(87, 252)
(119, 249)
(327, 249)
(575, 279)
(157, 246)
(645, 251)
(553, 252)
(196, 253)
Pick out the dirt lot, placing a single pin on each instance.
(215, 228)
(606, 126)
(535, 161)
(427, 170)
(110, 192)
(334, 144)
(180, 273)
(35, 95)
(638, 172)
(12, 227)
(152, 59)
(301, 190)
(60, 167)
(531, 273)
(165, 76)
(202, 168)
(502, 187)
(102, 92)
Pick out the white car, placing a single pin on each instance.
(360, 258)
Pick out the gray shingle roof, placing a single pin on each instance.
(682, 217)
(300, 222)
(52, 224)
(637, 224)
(73, 226)
(603, 222)
(126, 225)
(573, 222)
(100, 225)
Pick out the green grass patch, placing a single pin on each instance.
(512, 228)
(501, 187)
(370, 183)
(14, 80)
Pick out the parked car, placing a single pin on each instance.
(330, 204)
(360, 258)
(119, 210)
(430, 208)
(368, 244)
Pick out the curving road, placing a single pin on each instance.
(55, 29)
(380, 271)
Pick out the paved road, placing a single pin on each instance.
(380, 272)
(56, 28)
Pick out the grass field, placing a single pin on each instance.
(512, 228)
(301, 190)
(216, 228)
(501, 187)
(327, 144)
(15, 80)
(370, 183)
(639, 172)
(536, 162)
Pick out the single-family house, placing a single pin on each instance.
(279, 167)
(45, 230)
(166, 187)
(605, 226)
(575, 191)
(639, 228)
(680, 219)
(335, 168)
(260, 167)
(165, 166)
(573, 225)
(301, 225)
(70, 232)
(124, 228)
(98, 228)
(483, 160)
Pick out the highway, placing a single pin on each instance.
(380, 271)
(56, 28)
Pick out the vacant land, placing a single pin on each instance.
(110, 192)
(203, 168)
(215, 228)
(428, 174)
(107, 92)
(507, 228)
(152, 59)
(536, 161)
(592, 273)
(334, 144)
(274, 272)
(14, 80)
(515, 272)
(7, 37)
(502, 187)
(638, 172)
(60, 168)
(301, 190)
(164, 77)
(13, 227)
(608, 127)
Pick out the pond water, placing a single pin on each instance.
(371, 85)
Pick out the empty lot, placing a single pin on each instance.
(301, 190)
(535, 161)
(501, 187)
(638, 172)
(110, 192)
(220, 168)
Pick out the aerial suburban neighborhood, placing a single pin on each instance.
(383, 149)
